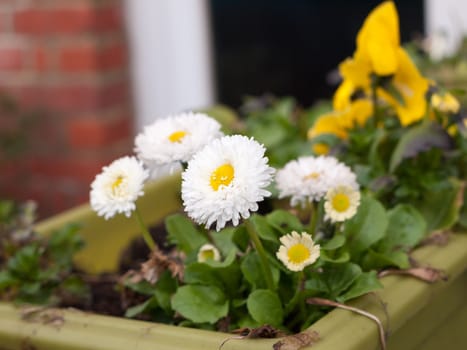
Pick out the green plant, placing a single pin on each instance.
(35, 269)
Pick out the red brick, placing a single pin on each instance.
(10, 59)
(32, 21)
(109, 19)
(78, 19)
(74, 20)
(93, 132)
(91, 57)
(114, 56)
(40, 59)
(73, 98)
(71, 168)
(79, 58)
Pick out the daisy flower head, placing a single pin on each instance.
(297, 251)
(175, 139)
(208, 252)
(341, 203)
(307, 179)
(117, 187)
(225, 181)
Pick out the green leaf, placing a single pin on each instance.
(264, 230)
(367, 226)
(224, 240)
(75, 286)
(6, 280)
(183, 233)
(463, 211)
(142, 287)
(379, 260)
(251, 270)
(200, 273)
(334, 278)
(241, 237)
(30, 288)
(140, 308)
(165, 287)
(7, 209)
(334, 243)
(342, 257)
(419, 138)
(406, 228)
(229, 259)
(200, 303)
(284, 222)
(265, 307)
(439, 207)
(363, 284)
(25, 263)
(64, 244)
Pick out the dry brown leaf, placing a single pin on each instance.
(426, 274)
(439, 238)
(265, 331)
(39, 314)
(297, 341)
(157, 263)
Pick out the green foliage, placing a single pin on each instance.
(35, 269)
(367, 226)
(265, 307)
(200, 303)
(281, 125)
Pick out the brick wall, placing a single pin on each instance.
(67, 58)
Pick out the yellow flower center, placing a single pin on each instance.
(222, 176)
(116, 184)
(177, 136)
(207, 255)
(340, 202)
(320, 148)
(298, 253)
(312, 176)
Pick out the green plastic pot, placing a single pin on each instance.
(418, 315)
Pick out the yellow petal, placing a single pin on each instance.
(412, 86)
(327, 124)
(357, 71)
(361, 110)
(378, 39)
(342, 96)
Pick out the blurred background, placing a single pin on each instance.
(79, 78)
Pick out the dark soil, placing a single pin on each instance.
(107, 296)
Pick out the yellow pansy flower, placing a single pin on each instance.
(446, 103)
(379, 53)
(339, 122)
(378, 39)
(412, 86)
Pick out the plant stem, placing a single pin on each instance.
(298, 294)
(146, 235)
(374, 100)
(207, 233)
(315, 214)
(262, 254)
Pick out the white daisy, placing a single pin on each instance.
(307, 179)
(341, 203)
(208, 252)
(167, 142)
(225, 180)
(116, 189)
(298, 251)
